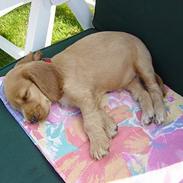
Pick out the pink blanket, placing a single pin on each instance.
(136, 149)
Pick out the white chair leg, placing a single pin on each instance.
(41, 20)
(82, 12)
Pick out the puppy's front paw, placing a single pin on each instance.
(99, 149)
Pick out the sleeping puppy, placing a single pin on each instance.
(83, 73)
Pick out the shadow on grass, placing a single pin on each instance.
(5, 58)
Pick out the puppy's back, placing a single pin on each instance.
(102, 59)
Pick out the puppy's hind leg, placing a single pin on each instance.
(161, 84)
(142, 96)
(146, 72)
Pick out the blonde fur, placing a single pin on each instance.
(84, 72)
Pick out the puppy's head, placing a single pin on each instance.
(31, 87)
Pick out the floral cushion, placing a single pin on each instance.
(137, 149)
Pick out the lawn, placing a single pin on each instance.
(13, 27)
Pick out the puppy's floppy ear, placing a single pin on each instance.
(46, 78)
(29, 58)
(160, 82)
(37, 56)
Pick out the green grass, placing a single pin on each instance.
(13, 27)
(4, 58)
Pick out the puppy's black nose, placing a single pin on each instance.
(34, 119)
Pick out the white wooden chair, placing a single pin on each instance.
(41, 20)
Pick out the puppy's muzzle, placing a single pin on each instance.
(34, 119)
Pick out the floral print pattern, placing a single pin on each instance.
(135, 150)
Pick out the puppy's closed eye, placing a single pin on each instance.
(21, 99)
(25, 96)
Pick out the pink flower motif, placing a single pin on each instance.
(166, 149)
(55, 115)
(170, 98)
(129, 140)
(120, 113)
(75, 132)
(33, 129)
(59, 113)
